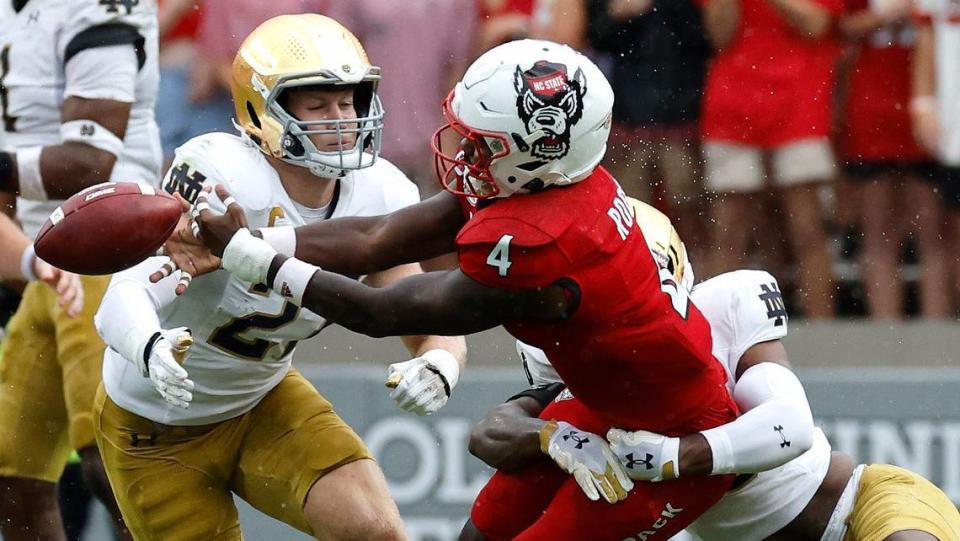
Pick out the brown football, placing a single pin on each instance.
(107, 228)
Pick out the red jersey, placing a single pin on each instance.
(877, 117)
(635, 349)
(494, 8)
(770, 86)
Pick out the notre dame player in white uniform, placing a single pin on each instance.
(78, 81)
(792, 486)
(235, 417)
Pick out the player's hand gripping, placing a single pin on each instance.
(186, 252)
(423, 385)
(587, 457)
(647, 456)
(161, 362)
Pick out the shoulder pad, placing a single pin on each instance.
(510, 254)
(485, 229)
(222, 158)
(748, 303)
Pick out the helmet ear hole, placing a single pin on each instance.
(253, 115)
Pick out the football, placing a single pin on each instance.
(107, 228)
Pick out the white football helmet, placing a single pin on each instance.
(527, 114)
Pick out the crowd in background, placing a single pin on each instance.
(783, 134)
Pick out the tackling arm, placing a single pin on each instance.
(444, 302)
(363, 245)
(508, 438)
(775, 427)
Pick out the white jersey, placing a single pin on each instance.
(744, 308)
(244, 335)
(944, 15)
(95, 39)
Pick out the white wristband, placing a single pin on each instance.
(282, 238)
(26, 264)
(292, 279)
(248, 257)
(28, 171)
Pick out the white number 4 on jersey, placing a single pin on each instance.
(499, 257)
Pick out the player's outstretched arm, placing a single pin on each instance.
(363, 245)
(349, 245)
(775, 427)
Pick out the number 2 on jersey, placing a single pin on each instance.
(499, 257)
(227, 337)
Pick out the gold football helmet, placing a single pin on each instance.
(664, 242)
(293, 51)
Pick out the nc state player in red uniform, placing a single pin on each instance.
(549, 248)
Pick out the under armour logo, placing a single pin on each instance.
(632, 462)
(33, 17)
(772, 298)
(576, 437)
(87, 130)
(784, 442)
(135, 439)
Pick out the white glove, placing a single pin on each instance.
(161, 363)
(587, 457)
(647, 456)
(247, 257)
(423, 385)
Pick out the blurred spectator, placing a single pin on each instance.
(423, 47)
(935, 106)
(659, 53)
(226, 23)
(878, 150)
(768, 94)
(189, 100)
(501, 21)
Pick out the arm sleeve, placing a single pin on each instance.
(776, 426)
(104, 73)
(127, 317)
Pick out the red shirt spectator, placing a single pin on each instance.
(877, 116)
(771, 85)
(422, 47)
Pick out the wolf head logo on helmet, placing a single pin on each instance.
(550, 103)
(527, 115)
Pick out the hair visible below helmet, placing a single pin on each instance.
(528, 114)
(307, 50)
(664, 242)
